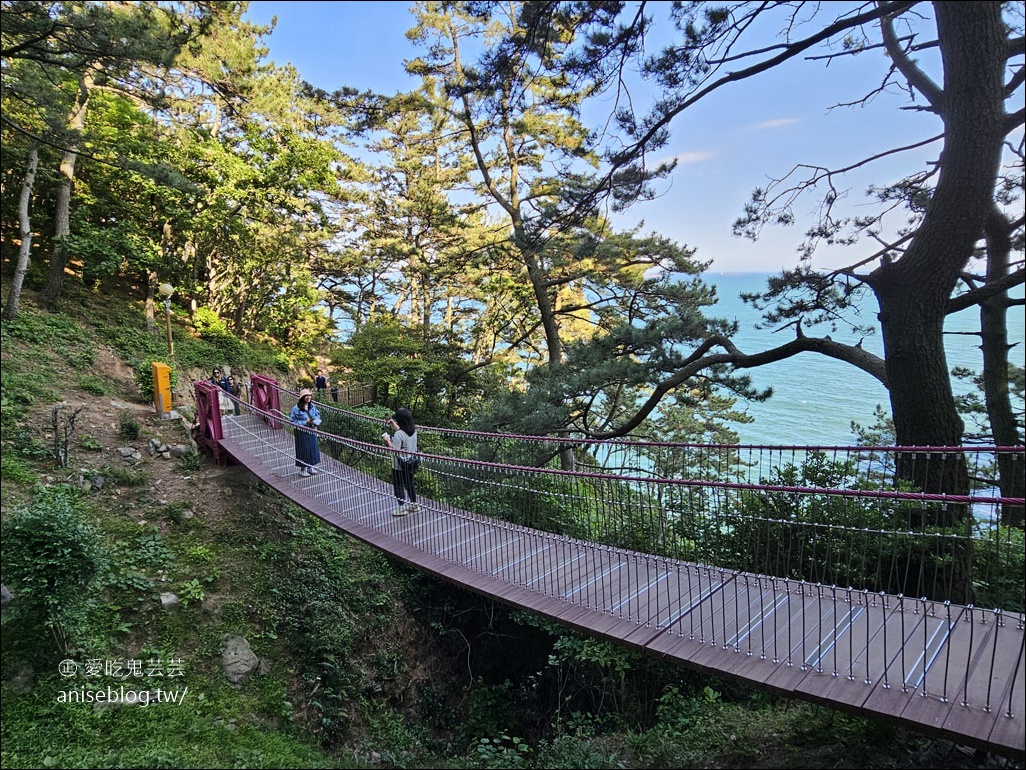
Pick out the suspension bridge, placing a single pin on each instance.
(805, 571)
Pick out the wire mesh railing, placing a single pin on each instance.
(828, 515)
(810, 572)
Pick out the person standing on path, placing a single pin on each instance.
(304, 415)
(404, 460)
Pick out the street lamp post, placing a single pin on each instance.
(166, 290)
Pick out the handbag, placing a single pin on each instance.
(409, 464)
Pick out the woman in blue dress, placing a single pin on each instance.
(305, 415)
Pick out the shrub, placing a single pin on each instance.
(144, 375)
(212, 329)
(128, 427)
(51, 554)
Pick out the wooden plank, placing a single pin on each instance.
(1009, 732)
(921, 664)
(989, 650)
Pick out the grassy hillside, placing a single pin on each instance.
(362, 662)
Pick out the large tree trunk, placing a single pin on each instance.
(994, 343)
(25, 231)
(913, 292)
(62, 209)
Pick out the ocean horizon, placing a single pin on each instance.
(817, 398)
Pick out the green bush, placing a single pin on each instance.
(212, 329)
(144, 375)
(51, 554)
(128, 426)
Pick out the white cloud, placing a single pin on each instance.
(777, 123)
(688, 158)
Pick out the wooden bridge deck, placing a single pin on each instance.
(943, 669)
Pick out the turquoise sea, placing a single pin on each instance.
(816, 398)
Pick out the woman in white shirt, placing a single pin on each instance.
(404, 460)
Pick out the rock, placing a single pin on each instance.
(169, 602)
(122, 697)
(23, 680)
(6, 597)
(238, 660)
(180, 450)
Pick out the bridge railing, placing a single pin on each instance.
(803, 572)
(723, 462)
(826, 515)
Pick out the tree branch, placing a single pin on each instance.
(979, 294)
(702, 358)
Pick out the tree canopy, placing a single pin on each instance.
(469, 225)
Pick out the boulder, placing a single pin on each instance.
(238, 660)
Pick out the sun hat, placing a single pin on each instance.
(305, 392)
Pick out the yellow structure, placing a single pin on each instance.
(162, 389)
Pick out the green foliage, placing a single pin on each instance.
(317, 609)
(407, 369)
(820, 539)
(125, 476)
(687, 729)
(19, 390)
(573, 752)
(51, 553)
(94, 385)
(14, 469)
(144, 375)
(136, 563)
(999, 570)
(173, 511)
(25, 442)
(43, 330)
(214, 331)
(128, 426)
(191, 591)
(490, 710)
(502, 751)
(190, 462)
(123, 328)
(206, 730)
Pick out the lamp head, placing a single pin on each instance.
(166, 290)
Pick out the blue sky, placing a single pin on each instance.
(728, 145)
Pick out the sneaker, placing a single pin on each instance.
(314, 471)
(400, 510)
(304, 472)
(412, 507)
